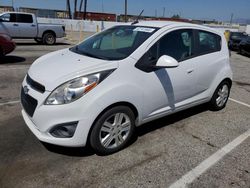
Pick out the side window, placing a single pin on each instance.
(208, 42)
(24, 18)
(8, 18)
(177, 44)
(12, 17)
(5, 17)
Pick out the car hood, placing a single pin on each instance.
(61, 66)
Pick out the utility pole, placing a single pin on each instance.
(85, 9)
(231, 19)
(102, 7)
(75, 7)
(69, 9)
(156, 13)
(164, 9)
(126, 10)
(13, 5)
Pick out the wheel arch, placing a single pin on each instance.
(229, 80)
(49, 31)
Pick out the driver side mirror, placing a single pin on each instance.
(166, 62)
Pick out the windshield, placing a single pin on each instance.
(115, 43)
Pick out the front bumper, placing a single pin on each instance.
(45, 117)
(9, 47)
(46, 137)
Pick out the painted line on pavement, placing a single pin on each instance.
(190, 176)
(239, 102)
(10, 102)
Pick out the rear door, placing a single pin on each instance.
(209, 58)
(9, 25)
(27, 27)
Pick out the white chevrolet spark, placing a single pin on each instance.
(98, 91)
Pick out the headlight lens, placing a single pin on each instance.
(75, 89)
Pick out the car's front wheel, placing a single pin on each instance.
(220, 96)
(113, 130)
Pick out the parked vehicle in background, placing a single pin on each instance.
(244, 46)
(121, 78)
(235, 39)
(24, 25)
(7, 45)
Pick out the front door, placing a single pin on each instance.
(167, 89)
(27, 26)
(9, 25)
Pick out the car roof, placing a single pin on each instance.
(161, 24)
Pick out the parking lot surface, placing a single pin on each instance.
(165, 152)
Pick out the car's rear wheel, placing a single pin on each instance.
(49, 38)
(220, 96)
(113, 130)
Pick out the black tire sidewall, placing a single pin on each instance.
(213, 104)
(94, 135)
(46, 35)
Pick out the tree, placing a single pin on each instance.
(69, 9)
(75, 7)
(176, 16)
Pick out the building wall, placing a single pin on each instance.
(45, 13)
(97, 16)
(5, 9)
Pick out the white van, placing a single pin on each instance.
(101, 89)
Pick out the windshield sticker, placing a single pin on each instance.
(144, 29)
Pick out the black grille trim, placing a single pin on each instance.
(35, 85)
(29, 103)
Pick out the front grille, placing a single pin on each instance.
(29, 103)
(35, 85)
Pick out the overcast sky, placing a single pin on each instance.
(195, 9)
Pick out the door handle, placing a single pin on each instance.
(15, 24)
(190, 71)
(33, 25)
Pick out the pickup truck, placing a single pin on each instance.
(25, 26)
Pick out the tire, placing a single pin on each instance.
(113, 130)
(1, 52)
(49, 38)
(39, 41)
(220, 96)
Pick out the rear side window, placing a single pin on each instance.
(178, 44)
(24, 18)
(208, 42)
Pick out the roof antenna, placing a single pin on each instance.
(137, 19)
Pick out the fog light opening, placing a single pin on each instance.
(65, 130)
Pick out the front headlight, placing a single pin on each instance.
(76, 88)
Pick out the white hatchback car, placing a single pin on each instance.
(98, 91)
